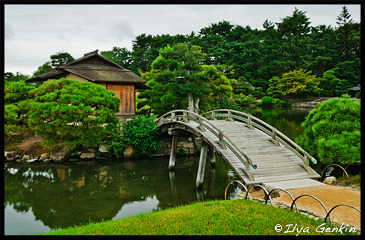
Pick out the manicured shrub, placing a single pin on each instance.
(332, 131)
(74, 113)
(16, 106)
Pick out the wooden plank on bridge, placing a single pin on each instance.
(273, 163)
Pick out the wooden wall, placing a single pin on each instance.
(126, 94)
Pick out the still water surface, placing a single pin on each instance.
(39, 198)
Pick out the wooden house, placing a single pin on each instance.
(95, 68)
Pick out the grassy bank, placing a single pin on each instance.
(236, 217)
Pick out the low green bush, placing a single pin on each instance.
(243, 100)
(142, 133)
(267, 101)
(116, 144)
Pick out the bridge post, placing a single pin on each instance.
(229, 117)
(173, 117)
(201, 126)
(175, 139)
(213, 116)
(201, 168)
(220, 140)
(273, 136)
(185, 117)
(249, 123)
(211, 155)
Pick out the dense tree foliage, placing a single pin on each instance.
(43, 68)
(332, 131)
(331, 85)
(258, 55)
(120, 56)
(57, 59)
(74, 113)
(11, 77)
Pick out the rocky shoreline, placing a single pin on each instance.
(314, 103)
(29, 151)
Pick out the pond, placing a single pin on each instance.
(40, 198)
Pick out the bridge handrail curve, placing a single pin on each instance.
(202, 121)
(270, 130)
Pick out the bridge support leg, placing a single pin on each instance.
(211, 155)
(201, 168)
(174, 142)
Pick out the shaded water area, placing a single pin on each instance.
(39, 198)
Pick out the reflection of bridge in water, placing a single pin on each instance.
(256, 151)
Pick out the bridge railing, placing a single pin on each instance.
(253, 122)
(222, 139)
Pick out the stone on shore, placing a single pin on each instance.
(44, 156)
(32, 160)
(60, 153)
(11, 156)
(87, 155)
(129, 152)
(330, 180)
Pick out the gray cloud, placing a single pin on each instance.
(9, 32)
(121, 30)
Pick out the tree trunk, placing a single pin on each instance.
(196, 104)
(191, 102)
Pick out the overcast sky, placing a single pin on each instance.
(34, 32)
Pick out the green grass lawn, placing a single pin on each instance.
(234, 217)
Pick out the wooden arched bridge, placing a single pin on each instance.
(256, 151)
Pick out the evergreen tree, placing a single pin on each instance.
(120, 56)
(175, 74)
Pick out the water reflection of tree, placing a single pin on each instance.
(62, 196)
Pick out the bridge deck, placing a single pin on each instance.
(275, 163)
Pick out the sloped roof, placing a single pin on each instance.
(95, 68)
